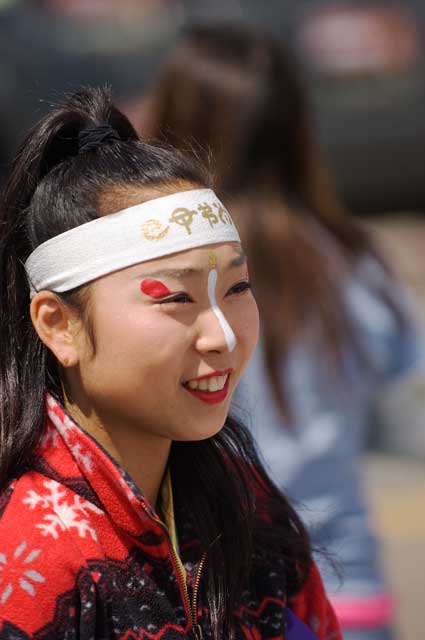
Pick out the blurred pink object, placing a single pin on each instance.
(107, 8)
(348, 39)
(373, 611)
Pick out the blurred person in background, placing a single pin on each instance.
(336, 323)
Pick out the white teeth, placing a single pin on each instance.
(215, 383)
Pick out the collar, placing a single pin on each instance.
(166, 508)
(74, 458)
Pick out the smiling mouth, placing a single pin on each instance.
(211, 389)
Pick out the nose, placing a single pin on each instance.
(213, 334)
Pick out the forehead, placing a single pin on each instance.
(225, 255)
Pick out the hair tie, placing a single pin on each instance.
(92, 137)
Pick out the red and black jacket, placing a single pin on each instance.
(83, 556)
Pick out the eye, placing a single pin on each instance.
(181, 298)
(239, 288)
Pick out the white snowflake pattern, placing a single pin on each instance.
(49, 438)
(71, 434)
(67, 514)
(128, 490)
(16, 572)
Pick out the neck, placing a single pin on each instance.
(143, 455)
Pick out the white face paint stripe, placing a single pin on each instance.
(227, 329)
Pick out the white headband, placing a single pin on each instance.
(146, 231)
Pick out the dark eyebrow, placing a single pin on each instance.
(182, 272)
(172, 273)
(238, 261)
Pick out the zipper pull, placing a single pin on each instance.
(197, 632)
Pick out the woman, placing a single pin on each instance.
(334, 320)
(132, 505)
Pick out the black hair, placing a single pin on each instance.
(61, 179)
(52, 188)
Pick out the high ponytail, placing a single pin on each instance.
(53, 187)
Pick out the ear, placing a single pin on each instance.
(57, 325)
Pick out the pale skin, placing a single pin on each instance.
(130, 392)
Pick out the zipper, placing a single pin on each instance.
(197, 631)
(190, 607)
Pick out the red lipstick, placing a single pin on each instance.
(212, 375)
(211, 397)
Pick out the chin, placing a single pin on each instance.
(199, 432)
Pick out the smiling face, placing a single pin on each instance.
(172, 338)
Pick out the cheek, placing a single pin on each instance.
(123, 326)
(138, 338)
(246, 326)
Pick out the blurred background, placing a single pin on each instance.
(364, 63)
(364, 69)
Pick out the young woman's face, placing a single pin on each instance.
(172, 337)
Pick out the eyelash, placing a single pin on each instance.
(184, 298)
(240, 288)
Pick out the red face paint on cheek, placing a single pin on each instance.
(154, 288)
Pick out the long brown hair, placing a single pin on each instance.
(237, 93)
